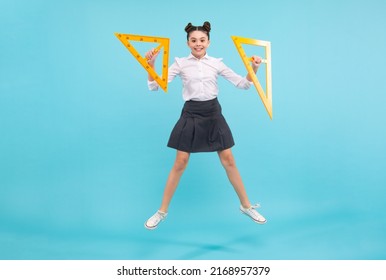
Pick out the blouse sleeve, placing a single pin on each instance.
(231, 76)
(173, 71)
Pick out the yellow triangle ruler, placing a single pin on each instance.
(163, 43)
(266, 97)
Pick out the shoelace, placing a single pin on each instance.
(160, 215)
(256, 205)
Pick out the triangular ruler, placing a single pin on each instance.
(266, 97)
(163, 43)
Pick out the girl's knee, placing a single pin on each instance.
(181, 163)
(227, 160)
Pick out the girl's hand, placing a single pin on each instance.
(151, 56)
(256, 61)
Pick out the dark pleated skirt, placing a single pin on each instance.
(201, 128)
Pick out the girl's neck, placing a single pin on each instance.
(199, 57)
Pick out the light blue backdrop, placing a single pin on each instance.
(83, 156)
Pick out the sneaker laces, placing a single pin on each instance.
(256, 205)
(160, 215)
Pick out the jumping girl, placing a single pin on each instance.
(202, 127)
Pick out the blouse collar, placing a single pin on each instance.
(193, 57)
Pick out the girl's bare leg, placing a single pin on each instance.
(175, 174)
(228, 161)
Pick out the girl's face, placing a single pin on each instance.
(198, 42)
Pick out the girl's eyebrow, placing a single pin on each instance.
(194, 38)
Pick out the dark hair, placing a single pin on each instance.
(204, 28)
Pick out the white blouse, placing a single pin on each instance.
(199, 77)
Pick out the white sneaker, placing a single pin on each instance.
(154, 220)
(253, 214)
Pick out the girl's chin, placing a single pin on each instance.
(198, 54)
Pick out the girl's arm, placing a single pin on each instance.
(236, 79)
(173, 70)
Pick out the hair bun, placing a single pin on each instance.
(206, 26)
(188, 27)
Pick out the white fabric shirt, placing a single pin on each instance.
(199, 77)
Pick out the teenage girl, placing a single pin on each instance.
(202, 127)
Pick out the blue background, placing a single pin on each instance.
(83, 157)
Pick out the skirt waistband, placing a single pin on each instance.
(202, 107)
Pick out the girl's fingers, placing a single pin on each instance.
(150, 55)
(256, 60)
